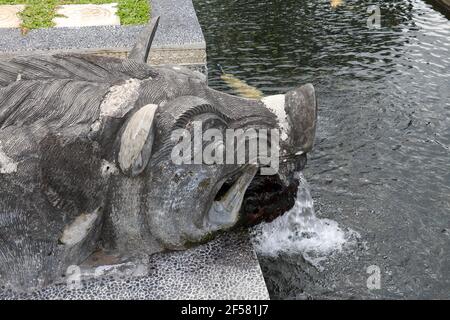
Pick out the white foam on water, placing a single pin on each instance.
(300, 231)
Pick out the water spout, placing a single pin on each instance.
(300, 231)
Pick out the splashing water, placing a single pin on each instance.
(300, 231)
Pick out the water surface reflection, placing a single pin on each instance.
(381, 164)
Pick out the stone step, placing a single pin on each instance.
(68, 16)
(9, 17)
(87, 15)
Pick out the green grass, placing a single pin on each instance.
(40, 13)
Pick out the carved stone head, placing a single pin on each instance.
(98, 153)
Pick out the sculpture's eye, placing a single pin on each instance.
(207, 133)
(209, 121)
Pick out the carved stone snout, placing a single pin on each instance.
(297, 116)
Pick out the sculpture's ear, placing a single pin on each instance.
(141, 49)
(137, 141)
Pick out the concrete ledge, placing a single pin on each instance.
(226, 268)
(179, 39)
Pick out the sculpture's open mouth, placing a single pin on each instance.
(247, 199)
(224, 211)
(267, 198)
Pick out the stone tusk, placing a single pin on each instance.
(137, 141)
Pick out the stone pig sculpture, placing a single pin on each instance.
(85, 160)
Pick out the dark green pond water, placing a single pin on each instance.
(381, 163)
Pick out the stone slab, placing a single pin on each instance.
(9, 17)
(86, 15)
(226, 268)
(178, 25)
